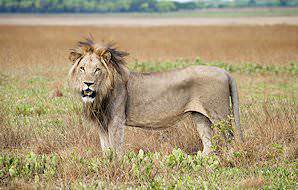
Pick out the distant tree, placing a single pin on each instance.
(10, 6)
(122, 5)
(26, 5)
(53, 6)
(189, 5)
(144, 7)
(165, 6)
(252, 2)
(283, 2)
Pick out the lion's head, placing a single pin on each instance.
(96, 68)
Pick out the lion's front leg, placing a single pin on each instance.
(104, 139)
(113, 138)
(116, 132)
(116, 137)
(116, 123)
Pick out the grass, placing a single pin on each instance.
(248, 68)
(45, 143)
(228, 12)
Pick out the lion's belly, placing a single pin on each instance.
(155, 109)
(159, 100)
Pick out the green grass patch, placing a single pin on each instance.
(144, 170)
(247, 68)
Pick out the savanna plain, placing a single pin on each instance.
(46, 143)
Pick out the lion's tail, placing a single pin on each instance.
(235, 105)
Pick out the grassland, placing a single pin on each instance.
(45, 143)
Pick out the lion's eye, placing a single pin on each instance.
(97, 70)
(82, 68)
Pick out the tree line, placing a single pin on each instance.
(103, 6)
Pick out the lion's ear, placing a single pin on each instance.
(73, 56)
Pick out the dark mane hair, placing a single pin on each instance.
(89, 46)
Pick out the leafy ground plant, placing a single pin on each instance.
(143, 170)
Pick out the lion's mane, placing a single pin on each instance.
(99, 110)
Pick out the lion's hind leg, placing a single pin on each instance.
(203, 125)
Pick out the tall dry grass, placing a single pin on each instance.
(270, 129)
(23, 45)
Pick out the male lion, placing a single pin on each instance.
(113, 97)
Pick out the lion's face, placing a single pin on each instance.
(90, 76)
(95, 69)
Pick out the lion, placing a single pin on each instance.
(114, 97)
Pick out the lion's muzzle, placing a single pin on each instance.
(88, 95)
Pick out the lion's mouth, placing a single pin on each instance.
(88, 95)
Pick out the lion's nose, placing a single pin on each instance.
(89, 83)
